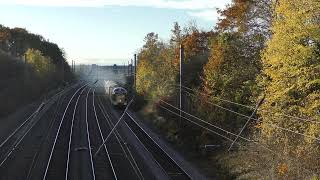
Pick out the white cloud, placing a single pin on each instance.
(171, 4)
(204, 9)
(208, 14)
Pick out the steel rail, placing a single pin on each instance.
(16, 144)
(102, 137)
(36, 156)
(31, 116)
(120, 139)
(17, 129)
(71, 133)
(19, 140)
(58, 131)
(153, 158)
(133, 120)
(88, 138)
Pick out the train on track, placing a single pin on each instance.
(118, 95)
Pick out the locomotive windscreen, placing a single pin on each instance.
(119, 90)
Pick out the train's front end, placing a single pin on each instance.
(119, 97)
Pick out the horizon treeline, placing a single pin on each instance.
(259, 51)
(30, 66)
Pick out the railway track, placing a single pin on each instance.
(160, 156)
(118, 148)
(80, 132)
(170, 166)
(69, 135)
(103, 165)
(10, 144)
(34, 166)
(13, 148)
(23, 127)
(57, 164)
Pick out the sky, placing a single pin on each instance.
(105, 31)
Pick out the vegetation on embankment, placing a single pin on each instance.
(30, 66)
(259, 48)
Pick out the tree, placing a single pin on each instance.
(291, 75)
(176, 36)
(17, 41)
(22, 82)
(155, 71)
(247, 17)
(229, 74)
(292, 85)
(234, 63)
(4, 37)
(39, 63)
(151, 40)
(235, 16)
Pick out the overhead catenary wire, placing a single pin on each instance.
(268, 123)
(250, 107)
(223, 136)
(114, 127)
(247, 122)
(121, 141)
(292, 131)
(101, 135)
(272, 124)
(224, 108)
(294, 118)
(219, 134)
(220, 99)
(210, 124)
(241, 137)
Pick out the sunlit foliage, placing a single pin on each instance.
(30, 67)
(259, 48)
(39, 63)
(291, 82)
(156, 73)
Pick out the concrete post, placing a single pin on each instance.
(181, 79)
(131, 68)
(135, 72)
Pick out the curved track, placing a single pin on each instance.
(61, 143)
(57, 166)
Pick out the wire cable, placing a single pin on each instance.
(249, 140)
(210, 124)
(224, 108)
(217, 132)
(225, 137)
(294, 132)
(251, 107)
(268, 123)
(220, 99)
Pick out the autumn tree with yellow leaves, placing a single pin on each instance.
(291, 83)
(259, 48)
